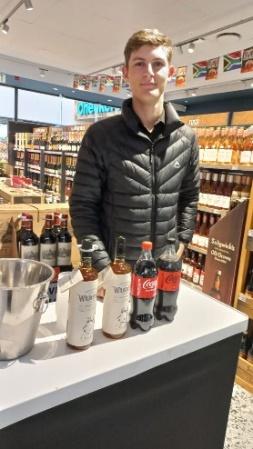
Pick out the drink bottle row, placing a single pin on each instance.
(204, 222)
(153, 287)
(193, 267)
(52, 247)
(223, 191)
(226, 146)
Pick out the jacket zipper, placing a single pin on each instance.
(153, 193)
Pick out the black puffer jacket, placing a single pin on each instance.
(125, 184)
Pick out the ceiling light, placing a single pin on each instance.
(109, 99)
(43, 72)
(228, 36)
(180, 49)
(28, 5)
(55, 88)
(4, 27)
(191, 47)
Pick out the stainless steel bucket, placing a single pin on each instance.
(23, 291)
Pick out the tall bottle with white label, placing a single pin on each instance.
(117, 293)
(82, 302)
(48, 243)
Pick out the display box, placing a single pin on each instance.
(15, 195)
(41, 210)
(9, 222)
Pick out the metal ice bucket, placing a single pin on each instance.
(23, 292)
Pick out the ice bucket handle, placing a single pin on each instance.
(41, 303)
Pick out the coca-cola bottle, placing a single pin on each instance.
(169, 274)
(144, 287)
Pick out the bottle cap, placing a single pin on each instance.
(86, 245)
(147, 245)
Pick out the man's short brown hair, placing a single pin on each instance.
(147, 37)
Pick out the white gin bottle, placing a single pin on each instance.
(82, 302)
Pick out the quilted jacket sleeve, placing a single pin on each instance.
(189, 195)
(85, 201)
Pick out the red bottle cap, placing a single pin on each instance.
(147, 245)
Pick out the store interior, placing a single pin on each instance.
(61, 71)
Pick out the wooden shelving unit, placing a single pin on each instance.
(198, 249)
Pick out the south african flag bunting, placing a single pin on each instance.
(199, 69)
(232, 61)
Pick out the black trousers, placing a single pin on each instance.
(181, 404)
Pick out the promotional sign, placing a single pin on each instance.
(212, 69)
(199, 69)
(181, 76)
(232, 61)
(223, 254)
(247, 60)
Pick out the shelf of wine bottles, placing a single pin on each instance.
(226, 147)
(193, 267)
(50, 152)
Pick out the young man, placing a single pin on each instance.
(137, 173)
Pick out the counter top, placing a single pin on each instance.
(52, 373)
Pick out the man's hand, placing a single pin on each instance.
(180, 250)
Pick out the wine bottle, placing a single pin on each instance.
(64, 246)
(29, 241)
(48, 243)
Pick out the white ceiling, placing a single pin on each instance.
(81, 36)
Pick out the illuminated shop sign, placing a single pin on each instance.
(85, 108)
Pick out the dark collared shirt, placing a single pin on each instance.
(158, 129)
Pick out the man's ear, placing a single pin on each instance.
(125, 71)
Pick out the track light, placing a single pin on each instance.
(28, 5)
(191, 47)
(4, 27)
(3, 24)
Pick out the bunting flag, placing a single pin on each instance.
(116, 83)
(212, 69)
(181, 76)
(199, 69)
(232, 61)
(247, 60)
(102, 83)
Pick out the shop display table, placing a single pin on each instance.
(168, 388)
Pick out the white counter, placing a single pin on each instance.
(52, 373)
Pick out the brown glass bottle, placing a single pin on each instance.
(117, 294)
(203, 231)
(215, 290)
(82, 302)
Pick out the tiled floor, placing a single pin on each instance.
(240, 424)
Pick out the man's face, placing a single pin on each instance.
(147, 73)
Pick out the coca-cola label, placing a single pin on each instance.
(168, 281)
(143, 287)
